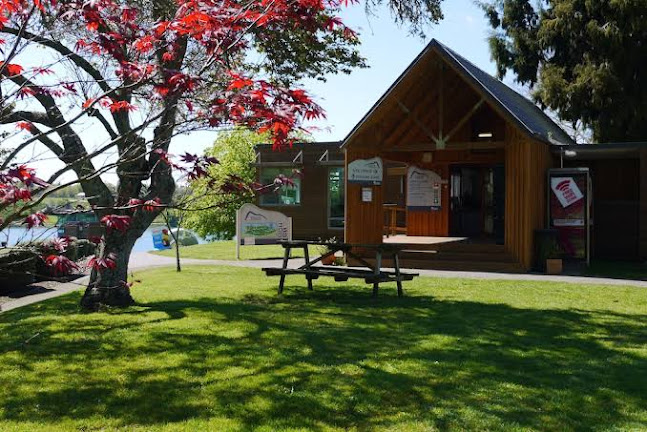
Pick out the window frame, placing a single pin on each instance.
(285, 171)
(329, 217)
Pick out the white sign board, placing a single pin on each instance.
(256, 226)
(424, 189)
(566, 190)
(366, 171)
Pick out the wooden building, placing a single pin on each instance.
(490, 148)
(316, 201)
(484, 152)
(619, 213)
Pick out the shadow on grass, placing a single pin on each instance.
(334, 359)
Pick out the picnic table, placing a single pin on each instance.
(372, 274)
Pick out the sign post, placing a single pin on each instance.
(256, 226)
(569, 211)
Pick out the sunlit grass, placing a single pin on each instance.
(226, 250)
(214, 348)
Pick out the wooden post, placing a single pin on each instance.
(378, 266)
(307, 266)
(286, 257)
(396, 260)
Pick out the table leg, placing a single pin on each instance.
(378, 267)
(307, 257)
(286, 257)
(396, 260)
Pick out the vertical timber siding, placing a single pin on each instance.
(432, 223)
(364, 221)
(526, 164)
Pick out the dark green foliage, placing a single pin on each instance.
(214, 213)
(583, 59)
(17, 267)
(417, 13)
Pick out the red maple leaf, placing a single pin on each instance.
(61, 265)
(116, 222)
(36, 219)
(100, 264)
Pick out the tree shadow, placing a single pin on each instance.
(334, 359)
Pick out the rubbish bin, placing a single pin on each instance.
(545, 247)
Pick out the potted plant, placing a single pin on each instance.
(325, 249)
(554, 263)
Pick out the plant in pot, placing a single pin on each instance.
(554, 264)
(326, 248)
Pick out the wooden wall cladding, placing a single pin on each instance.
(432, 223)
(364, 221)
(526, 165)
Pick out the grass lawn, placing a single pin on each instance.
(226, 250)
(215, 349)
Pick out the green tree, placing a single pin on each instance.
(214, 214)
(582, 59)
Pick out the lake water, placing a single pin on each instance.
(17, 234)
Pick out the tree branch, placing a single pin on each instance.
(28, 116)
(74, 150)
(64, 51)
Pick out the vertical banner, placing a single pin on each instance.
(570, 210)
(424, 190)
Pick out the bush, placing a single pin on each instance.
(77, 249)
(17, 267)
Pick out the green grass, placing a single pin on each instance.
(226, 250)
(214, 349)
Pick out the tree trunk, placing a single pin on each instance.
(109, 287)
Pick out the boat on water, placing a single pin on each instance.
(75, 221)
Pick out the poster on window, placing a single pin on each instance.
(366, 172)
(424, 190)
(570, 210)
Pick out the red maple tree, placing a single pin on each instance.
(143, 73)
(135, 74)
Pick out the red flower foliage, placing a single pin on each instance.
(60, 243)
(116, 222)
(61, 265)
(100, 264)
(34, 220)
(152, 205)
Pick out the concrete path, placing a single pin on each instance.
(143, 260)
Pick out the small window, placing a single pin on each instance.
(336, 198)
(284, 196)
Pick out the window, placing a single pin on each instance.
(286, 195)
(336, 197)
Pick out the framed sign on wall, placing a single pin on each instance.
(366, 171)
(424, 190)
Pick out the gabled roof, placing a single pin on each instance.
(516, 108)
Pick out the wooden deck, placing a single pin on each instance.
(453, 254)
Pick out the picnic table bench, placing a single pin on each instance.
(372, 274)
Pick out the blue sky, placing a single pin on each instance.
(389, 50)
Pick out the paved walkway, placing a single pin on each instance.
(142, 260)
